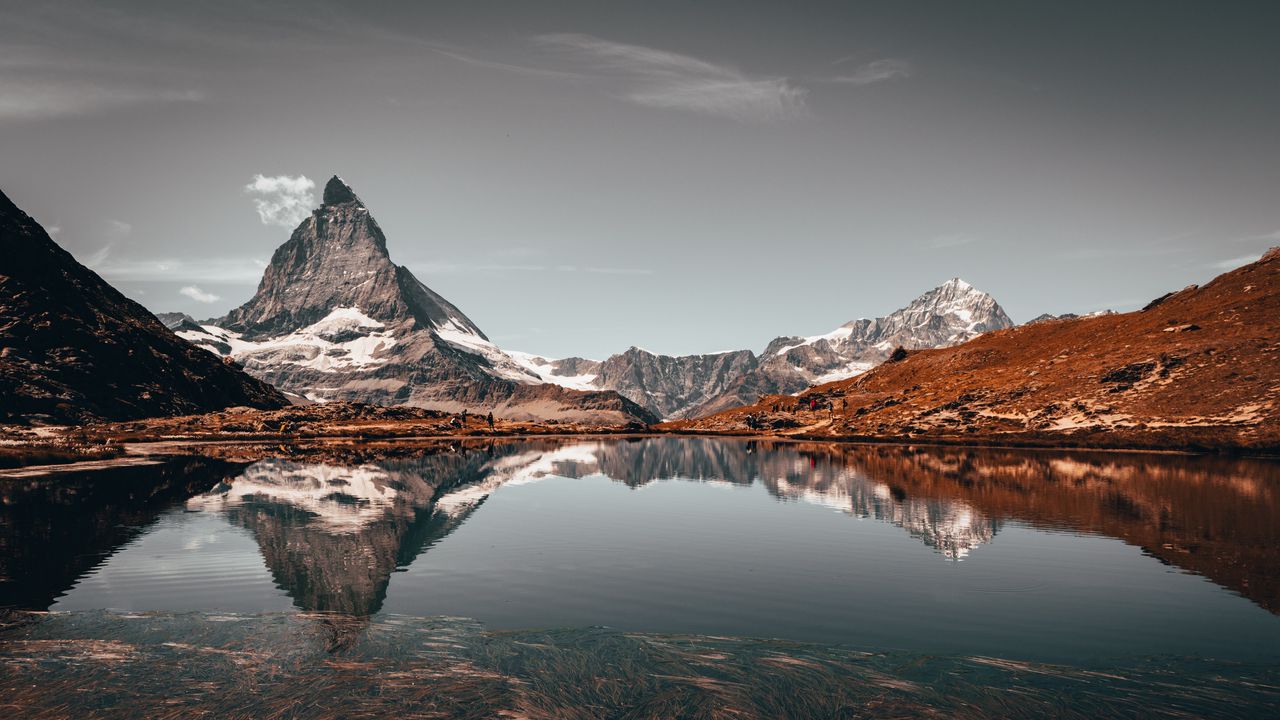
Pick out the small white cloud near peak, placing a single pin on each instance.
(282, 200)
(198, 295)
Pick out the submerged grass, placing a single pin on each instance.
(101, 664)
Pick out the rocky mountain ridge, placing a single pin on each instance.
(696, 385)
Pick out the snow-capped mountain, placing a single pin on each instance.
(694, 385)
(949, 314)
(335, 319)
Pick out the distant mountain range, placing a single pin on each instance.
(696, 385)
(72, 348)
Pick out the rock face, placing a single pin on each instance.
(947, 315)
(672, 385)
(72, 348)
(666, 385)
(688, 386)
(335, 319)
(176, 321)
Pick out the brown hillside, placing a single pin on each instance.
(1196, 368)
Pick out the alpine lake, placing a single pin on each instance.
(646, 577)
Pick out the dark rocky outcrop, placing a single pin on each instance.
(670, 385)
(73, 348)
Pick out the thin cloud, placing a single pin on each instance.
(950, 241)
(447, 268)
(876, 71)
(99, 257)
(118, 229)
(1273, 236)
(1234, 262)
(617, 271)
(213, 270)
(198, 295)
(454, 54)
(282, 200)
(47, 99)
(603, 270)
(657, 78)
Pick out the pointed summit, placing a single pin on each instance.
(337, 192)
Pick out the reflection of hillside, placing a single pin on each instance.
(1211, 515)
(54, 530)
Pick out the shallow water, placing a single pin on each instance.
(1150, 568)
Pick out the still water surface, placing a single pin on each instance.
(1078, 558)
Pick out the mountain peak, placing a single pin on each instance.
(337, 191)
(958, 284)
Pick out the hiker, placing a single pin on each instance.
(490, 422)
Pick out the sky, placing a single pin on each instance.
(685, 177)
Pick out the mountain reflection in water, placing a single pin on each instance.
(900, 580)
(332, 535)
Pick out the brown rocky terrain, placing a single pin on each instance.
(333, 430)
(1195, 369)
(72, 348)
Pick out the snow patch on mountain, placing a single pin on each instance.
(520, 469)
(342, 499)
(546, 370)
(503, 365)
(344, 340)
